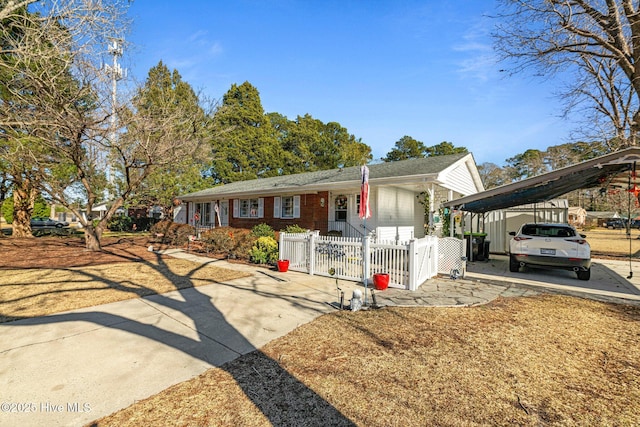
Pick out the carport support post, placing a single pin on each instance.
(470, 237)
(366, 257)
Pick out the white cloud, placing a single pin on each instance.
(479, 60)
(198, 35)
(216, 48)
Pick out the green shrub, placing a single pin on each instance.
(40, 208)
(263, 230)
(120, 223)
(295, 228)
(7, 210)
(265, 251)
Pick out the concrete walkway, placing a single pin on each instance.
(71, 368)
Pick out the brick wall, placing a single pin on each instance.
(312, 215)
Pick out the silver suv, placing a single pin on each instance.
(550, 246)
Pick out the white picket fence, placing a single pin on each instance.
(409, 263)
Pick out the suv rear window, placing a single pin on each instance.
(547, 231)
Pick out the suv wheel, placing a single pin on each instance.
(514, 266)
(584, 274)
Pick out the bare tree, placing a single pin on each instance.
(596, 41)
(493, 175)
(62, 123)
(54, 113)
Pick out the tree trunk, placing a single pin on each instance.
(92, 237)
(24, 197)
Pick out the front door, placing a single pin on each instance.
(224, 213)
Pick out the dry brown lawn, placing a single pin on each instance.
(547, 360)
(67, 277)
(613, 243)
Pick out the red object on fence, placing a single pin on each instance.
(380, 281)
(283, 265)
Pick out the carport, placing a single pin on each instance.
(606, 171)
(614, 170)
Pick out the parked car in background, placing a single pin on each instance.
(47, 222)
(550, 246)
(615, 223)
(635, 223)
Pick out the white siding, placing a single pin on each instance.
(396, 207)
(460, 180)
(498, 224)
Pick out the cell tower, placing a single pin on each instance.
(116, 73)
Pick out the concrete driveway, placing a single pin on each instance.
(609, 278)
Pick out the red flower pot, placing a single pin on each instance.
(381, 281)
(283, 265)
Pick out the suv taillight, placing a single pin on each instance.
(519, 238)
(578, 241)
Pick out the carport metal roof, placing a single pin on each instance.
(599, 172)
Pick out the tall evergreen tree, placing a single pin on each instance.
(248, 147)
(406, 148)
(527, 164)
(166, 94)
(351, 151)
(443, 149)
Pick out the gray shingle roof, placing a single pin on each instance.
(314, 181)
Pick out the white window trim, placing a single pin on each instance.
(277, 207)
(296, 206)
(236, 208)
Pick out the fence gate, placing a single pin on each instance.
(451, 256)
(342, 254)
(315, 254)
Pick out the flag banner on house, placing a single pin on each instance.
(365, 212)
(216, 208)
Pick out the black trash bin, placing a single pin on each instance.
(485, 249)
(475, 246)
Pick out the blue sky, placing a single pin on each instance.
(382, 69)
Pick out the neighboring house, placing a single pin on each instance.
(598, 218)
(577, 216)
(328, 200)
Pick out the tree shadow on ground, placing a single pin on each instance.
(282, 398)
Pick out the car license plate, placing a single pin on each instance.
(547, 251)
